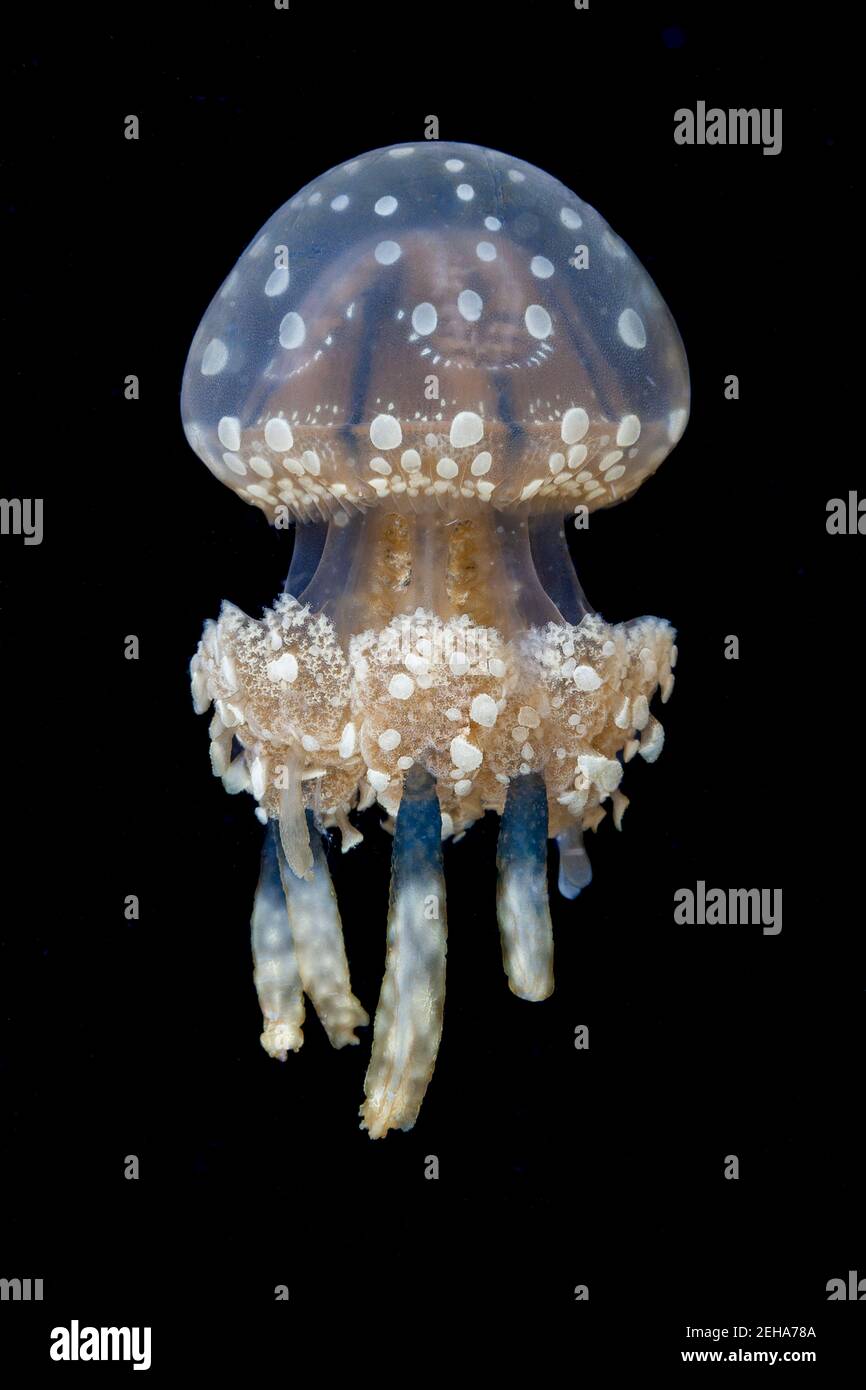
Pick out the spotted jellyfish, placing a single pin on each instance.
(425, 360)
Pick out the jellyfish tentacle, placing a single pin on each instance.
(275, 964)
(317, 935)
(522, 905)
(408, 1023)
(575, 870)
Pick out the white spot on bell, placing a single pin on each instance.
(387, 252)
(628, 431)
(541, 267)
(466, 429)
(293, 331)
(631, 329)
(575, 423)
(677, 423)
(278, 435)
(215, 356)
(538, 321)
(424, 318)
(470, 305)
(229, 432)
(277, 282)
(385, 432)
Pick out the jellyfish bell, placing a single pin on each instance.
(426, 359)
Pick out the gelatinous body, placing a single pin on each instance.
(426, 358)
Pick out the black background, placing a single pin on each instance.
(557, 1167)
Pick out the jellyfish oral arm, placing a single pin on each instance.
(522, 905)
(276, 974)
(408, 1024)
(298, 949)
(317, 934)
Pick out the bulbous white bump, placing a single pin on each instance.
(278, 435)
(484, 711)
(575, 423)
(277, 282)
(424, 318)
(214, 358)
(538, 321)
(631, 329)
(401, 687)
(465, 755)
(628, 431)
(470, 305)
(229, 433)
(466, 428)
(386, 432)
(293, 331)
(387, 252)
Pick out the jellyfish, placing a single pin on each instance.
(423, 363)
